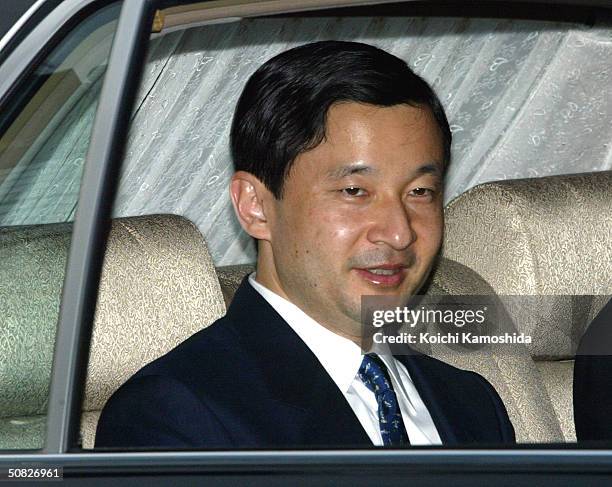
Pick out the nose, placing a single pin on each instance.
(391, 225)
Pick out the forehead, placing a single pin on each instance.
(404, 118)
(394, 137)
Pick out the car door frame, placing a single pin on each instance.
(520, 464)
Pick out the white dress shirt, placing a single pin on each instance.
(341, 359)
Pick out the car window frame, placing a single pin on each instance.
(80, 291)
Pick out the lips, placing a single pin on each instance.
(383, 275)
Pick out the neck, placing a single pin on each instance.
(269, 279)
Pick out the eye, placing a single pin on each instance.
(353, 191)
(421, 192)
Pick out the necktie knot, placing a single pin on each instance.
(374, 375)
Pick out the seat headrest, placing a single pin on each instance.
(544, 236)
(158, 287)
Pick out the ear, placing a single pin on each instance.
(251, 200)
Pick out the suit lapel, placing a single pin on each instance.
(446, 414)
(292, 373)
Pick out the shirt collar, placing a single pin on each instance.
(339, 356)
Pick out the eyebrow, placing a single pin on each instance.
(430, 168)
(433, 168)
(349, 170)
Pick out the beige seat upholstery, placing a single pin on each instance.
(514, 375)
(541, 237)
(32, 263)
(158, 287)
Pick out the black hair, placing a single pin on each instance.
(283, 108)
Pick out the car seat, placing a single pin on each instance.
(550, 237)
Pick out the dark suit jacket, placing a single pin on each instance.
(593, 380)
(249, 381)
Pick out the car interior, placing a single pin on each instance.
(159, 286)
(167, 274)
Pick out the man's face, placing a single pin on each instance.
(361, 214)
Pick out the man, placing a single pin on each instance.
(339, 150)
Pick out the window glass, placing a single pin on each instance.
(523, 98)
(45, 129)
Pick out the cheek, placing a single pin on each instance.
(337, 229)
(429, 232)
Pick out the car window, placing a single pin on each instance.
(524, 99)
(44, 134)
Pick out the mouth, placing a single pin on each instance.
(383, 275)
